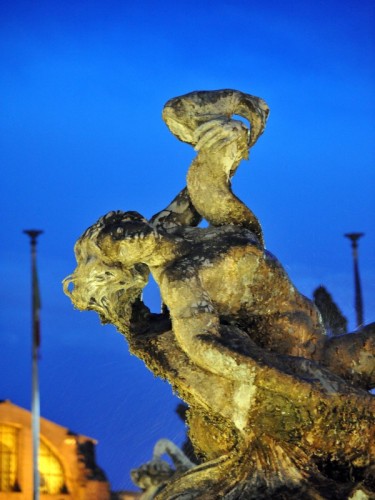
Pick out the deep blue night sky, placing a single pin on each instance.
(82, 86)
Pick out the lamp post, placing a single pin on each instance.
(358, 303)
(35, 399)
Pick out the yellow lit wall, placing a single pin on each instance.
(52, 476)
(63, 472)
(8, 457)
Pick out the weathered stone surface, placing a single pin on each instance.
(153, 476)
(273, 411)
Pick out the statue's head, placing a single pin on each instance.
(102, 282)
(184, 114)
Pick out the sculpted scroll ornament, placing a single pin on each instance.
(277, 409)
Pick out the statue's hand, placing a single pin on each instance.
(216, 134)
(184, 114)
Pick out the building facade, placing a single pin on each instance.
(67, 465)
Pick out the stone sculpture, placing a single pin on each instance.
(277, 409)
(152, 476)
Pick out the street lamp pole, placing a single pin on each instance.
(35, 398)
(358, 302)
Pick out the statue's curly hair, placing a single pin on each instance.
(110, 289)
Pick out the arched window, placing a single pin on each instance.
(8, 457)
(52, 479)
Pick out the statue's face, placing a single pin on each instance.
(100, 284)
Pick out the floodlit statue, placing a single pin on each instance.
(152, 476)
(277, 408)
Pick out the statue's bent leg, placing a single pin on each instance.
(199, 336)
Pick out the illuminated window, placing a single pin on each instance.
(8, 458)
(51, 472)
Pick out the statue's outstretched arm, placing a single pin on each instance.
(205, 120)
(179, 459)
